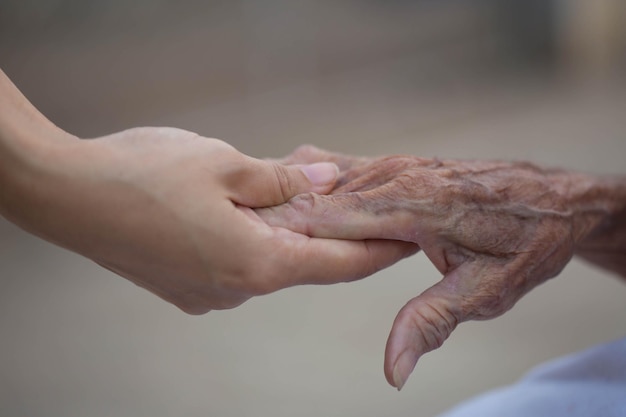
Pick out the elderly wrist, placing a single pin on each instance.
(599, 204)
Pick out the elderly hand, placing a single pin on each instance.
(494, 230)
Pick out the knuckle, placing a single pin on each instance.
(302, 154)
(406, 183)
(492, 299)
(284, 182)
(306, 149)
(304, 203)
(434, 322)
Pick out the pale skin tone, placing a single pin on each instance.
(495, 230)
(170, 210)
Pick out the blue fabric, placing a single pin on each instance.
(589, 383)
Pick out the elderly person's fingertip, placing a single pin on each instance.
(321, 173)
(403, 368)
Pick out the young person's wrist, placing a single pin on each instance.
(30, 147)
(26, 165)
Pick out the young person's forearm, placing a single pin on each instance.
(28, 142)
(20, 122)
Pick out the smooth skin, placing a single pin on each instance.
(170, 210)
(494, 229)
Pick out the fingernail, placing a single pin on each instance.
(321, 173)
(403, 368)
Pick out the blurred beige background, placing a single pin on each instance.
(536, 80)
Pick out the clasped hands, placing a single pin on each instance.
(494, 230)
(205, 227)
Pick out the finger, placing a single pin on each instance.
(421, 326)
(357, 173)
(367, 176)
(309, 154)
(258, 183)
(365, 215)
(330, 261)
(380, 171)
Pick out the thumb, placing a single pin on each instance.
(422, 325)
(269, 183)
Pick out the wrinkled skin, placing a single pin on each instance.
(494, 230)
